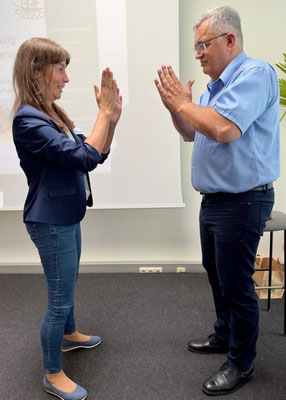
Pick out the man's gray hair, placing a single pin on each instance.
(223, 19)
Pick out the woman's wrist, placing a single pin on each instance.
(107, 113)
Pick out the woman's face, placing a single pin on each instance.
(53, 81)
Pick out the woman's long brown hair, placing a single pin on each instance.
(36, 55)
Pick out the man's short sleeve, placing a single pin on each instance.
(248, 96)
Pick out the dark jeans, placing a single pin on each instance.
(230, 229)
(59, 248)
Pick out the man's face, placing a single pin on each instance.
(215, 58)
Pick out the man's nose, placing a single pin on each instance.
(198, 55)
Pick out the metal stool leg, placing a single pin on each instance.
(270, 270)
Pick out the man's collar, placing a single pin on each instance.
(228, 72)
(232, 67)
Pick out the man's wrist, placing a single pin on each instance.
(184, 107)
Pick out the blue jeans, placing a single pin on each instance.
(59, 248)
(230, 229)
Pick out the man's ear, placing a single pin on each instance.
(230, 39)
(231, 42)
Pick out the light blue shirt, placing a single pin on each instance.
(247, 94)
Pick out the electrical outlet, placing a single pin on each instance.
(150, 269)
(181, 269)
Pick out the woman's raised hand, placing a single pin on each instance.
(110, 106)
(117, 110)
(107, 96)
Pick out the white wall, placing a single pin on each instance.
(166, 236)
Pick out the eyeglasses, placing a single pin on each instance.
(201, 46)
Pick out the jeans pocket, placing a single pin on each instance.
(265, 212)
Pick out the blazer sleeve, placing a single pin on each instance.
(37, 134)
(78, 133)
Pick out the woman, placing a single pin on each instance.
(56, 159)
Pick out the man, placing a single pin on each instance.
(235, 129)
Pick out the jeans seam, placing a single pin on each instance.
(55, 255)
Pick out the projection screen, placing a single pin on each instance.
(134, 38)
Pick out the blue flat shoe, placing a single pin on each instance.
(68, 345)
(78, 394)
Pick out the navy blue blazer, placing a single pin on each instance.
(54, 166)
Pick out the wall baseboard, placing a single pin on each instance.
(90, 267)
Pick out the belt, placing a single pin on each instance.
(263, 187)
(257, 188)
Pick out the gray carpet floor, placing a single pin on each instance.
(145, 321)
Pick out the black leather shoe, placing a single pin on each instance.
(209, 346)
(226, 380)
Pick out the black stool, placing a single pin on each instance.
(277, 222)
